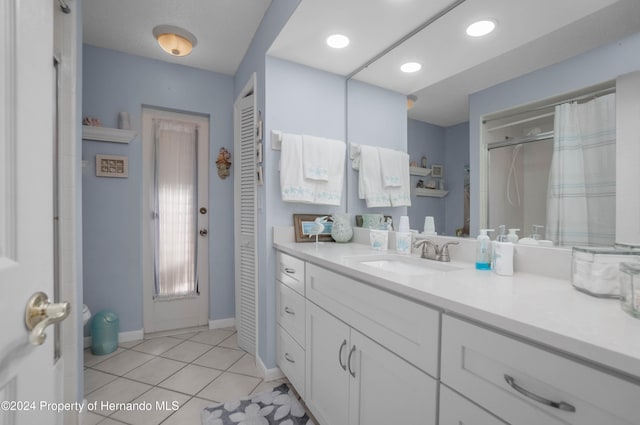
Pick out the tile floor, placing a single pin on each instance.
(192, 370)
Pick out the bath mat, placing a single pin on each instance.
(275, 407)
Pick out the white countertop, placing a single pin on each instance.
(546, 310)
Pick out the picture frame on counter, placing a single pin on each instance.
(303, 224)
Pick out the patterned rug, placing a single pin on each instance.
(275, 407)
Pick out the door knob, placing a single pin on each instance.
(41, 313)
(204, 232)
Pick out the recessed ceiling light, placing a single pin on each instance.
(338, 41)
(480, 28)
(410, 67)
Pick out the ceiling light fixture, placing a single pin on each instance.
(338, 41)
(411, 67)
(480, 28)
(174, 40)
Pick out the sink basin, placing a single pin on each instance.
(407, 266)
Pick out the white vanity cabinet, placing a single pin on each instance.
(457, 410)
(290, 305)
(526, 385)
(352, 378)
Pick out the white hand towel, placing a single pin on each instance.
(330, 192)
(392, 166)
(401, 195)
(316, 158)
(293, 186)
(370, 180)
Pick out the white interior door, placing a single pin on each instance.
(190, 311)
(26, 207)
(245, 231)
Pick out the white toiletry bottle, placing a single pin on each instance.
(483, 250)
(503, 254)
(513, 235)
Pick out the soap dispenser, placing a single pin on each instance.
(483, 250)
(503, 254)
(533, 238)
(513, 235)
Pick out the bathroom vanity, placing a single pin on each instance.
(371, 338)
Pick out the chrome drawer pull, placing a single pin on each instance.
(342, 365)
(288, 358)
(353, 350)
(289, 311)
(289, 271)
(557, 404)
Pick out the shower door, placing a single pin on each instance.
(175, 209)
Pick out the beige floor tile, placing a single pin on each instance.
(189, 414)
(183, 335)
(94, 379)
(157, 346)
(90, 418)
(211, 337)
(91, 359)
(119, 391)
(123, 362)
(130, 344)
(231, 342)
(187, 351)
(265, 386)
(155, 371)
(162, 402)
(246, 366)
(219, 358)
(191, 379)
(109, 421)
(229, 386)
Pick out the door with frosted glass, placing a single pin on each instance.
(176, 220)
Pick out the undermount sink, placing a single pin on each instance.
(404, 265)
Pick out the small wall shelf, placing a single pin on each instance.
(431, 192)
(105, 134)
(419, 171)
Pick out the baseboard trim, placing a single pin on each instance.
(269, 374)
(222, 323)
(122, 337)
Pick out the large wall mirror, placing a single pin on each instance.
(446, 113)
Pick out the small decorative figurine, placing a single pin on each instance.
(223, 163)
(420, 184)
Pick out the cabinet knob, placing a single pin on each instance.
(353, 350)
(342, 365)
(288, 358)
(289, 311)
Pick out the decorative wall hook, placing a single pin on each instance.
(223, 163)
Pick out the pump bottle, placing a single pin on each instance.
(483, 250)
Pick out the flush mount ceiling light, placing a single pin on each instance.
(174, 40)
(338, 41)
(410, 67)
(480, 28)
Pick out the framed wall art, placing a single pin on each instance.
(112, 166)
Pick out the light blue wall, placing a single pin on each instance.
(596, 66)
(456, 159)
(425, 139)
(299, 100)
(114, 82)
(376, 117)
(255, 62)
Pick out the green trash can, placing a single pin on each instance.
(104, 332)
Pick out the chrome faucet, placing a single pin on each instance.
(439, 253)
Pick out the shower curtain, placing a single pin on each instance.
(175, 223)
(581, 194)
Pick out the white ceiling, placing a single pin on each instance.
(529, 36)
(224, 28)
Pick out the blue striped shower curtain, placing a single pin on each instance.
(581, 196)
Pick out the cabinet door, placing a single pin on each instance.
(327, 379)
(456, 410)
(386, 389)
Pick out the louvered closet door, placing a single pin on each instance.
(246, 256)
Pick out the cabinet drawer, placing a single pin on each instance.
(291, 360)
(290, 272)
(406, 328)
(477, 363)
(291, 306)
(457, 410)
